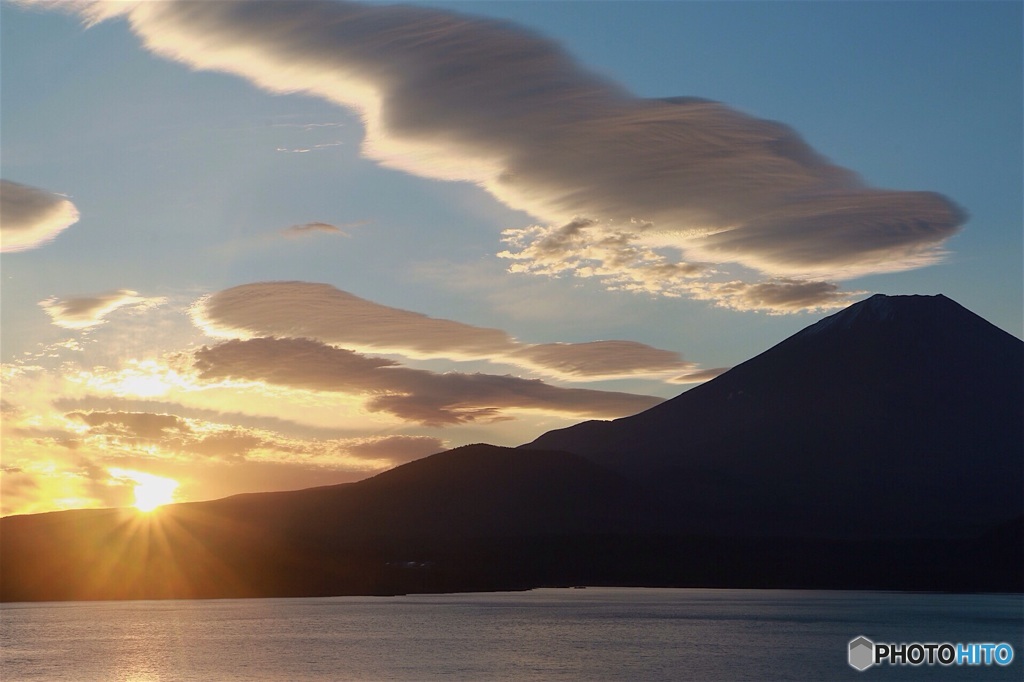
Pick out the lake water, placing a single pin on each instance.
(546, 634)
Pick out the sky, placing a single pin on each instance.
(263, 246)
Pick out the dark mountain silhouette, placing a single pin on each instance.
(479, 517)
(900, 416)
(879, 448)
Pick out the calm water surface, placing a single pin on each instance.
(548, 634)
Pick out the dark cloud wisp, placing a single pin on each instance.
(335, 317)
(416, 395)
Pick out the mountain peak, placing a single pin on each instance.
(881, 308)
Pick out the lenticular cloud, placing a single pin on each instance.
(671, 187)
(310, 310)
(31, 217)
(84, 312)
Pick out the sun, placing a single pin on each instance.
(150, 491)
(145, 386)
(154, 491)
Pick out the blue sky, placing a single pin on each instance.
(131, 336)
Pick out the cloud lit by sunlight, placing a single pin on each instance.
(88, 311)
(311, 310)
(143, 386)
(675, 184)
(65, 428)
(141, 378)
(31, 217)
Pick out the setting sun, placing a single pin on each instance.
(150, 491)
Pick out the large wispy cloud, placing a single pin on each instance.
(82, 312)
(669, 185)
(422, 396)
(31, 217)
(335, 317)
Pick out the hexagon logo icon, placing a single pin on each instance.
(862, 653)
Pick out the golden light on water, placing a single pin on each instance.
(150, 491)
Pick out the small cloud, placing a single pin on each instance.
(615, 254)
(89, 311)
(312, 228)
(227, 444)
(601, 359)
(31, 217)
(68, 344)
(138, 424)
(8, 408)
(779, 296)
(699, 376)
(398, 449)
(305, 150)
